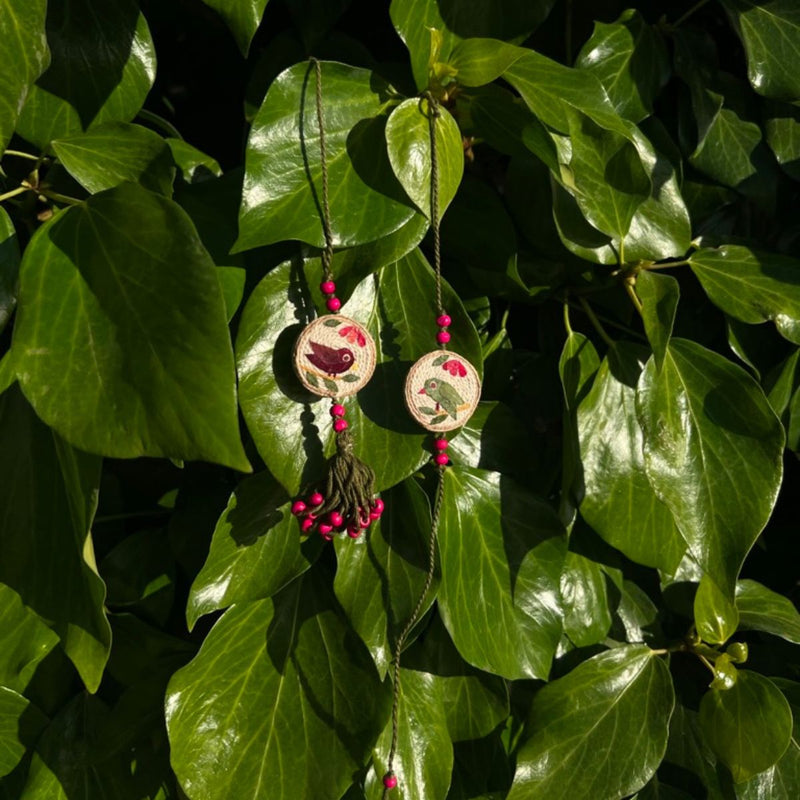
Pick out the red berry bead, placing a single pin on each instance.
(340, 425)
(298, 507)
(325, 528)
(443, 337)
(389, 780)
(353, 532)
(336, 519)
(373, 515)
(328, 287)
(326, 536)
(444, 321)
(441, 459)
(316, 499)
(333, 304)
(338, 410)
(307, 524)
(378, 505)
(441, 444)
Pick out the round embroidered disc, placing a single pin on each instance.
(334, 356)
(442, 391)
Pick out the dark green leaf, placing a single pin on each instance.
(121, 340)
(115, 152)
(579, 741)
(501, 544)
(630, 59)
(281, 198)
(49, 493)
(23, 49)
(782, 127)
(86, 84)
(715, 614)
(636, 616)
(748, 726)
(19, 725)
(408, 141)
(195, 166)
(380, 576)
(256, 550)
(618, 500)
(232, 280)
(659, 295)
(587, 612)
(291, 428)
(242, 16)
(770, 32)
(752, 286)
(712, 450)
(761, 609)
(248, 715)
(9, 268)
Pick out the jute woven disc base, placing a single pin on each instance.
(442, 391)
(334, 356)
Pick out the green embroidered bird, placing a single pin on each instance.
(444, 395)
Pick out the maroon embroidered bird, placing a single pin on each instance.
(329, 359)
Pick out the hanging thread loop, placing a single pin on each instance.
(327, 252)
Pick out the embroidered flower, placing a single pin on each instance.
(354, 335)
(455, 367)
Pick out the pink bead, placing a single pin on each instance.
(441, 459)
(441, 444)
(340, 425)
(353, 532)
(307, 524)
(444, 321)
(373, 515)
(378, 505)
(389, 780)
(443, 337)
(316, 499)
(333, 304)
(338, 410)
(365, 522)
(325, 528)
(327, 287)
(326, 536)
(298, 507)
(336, 519)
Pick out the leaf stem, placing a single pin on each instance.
(596, 322)
(612, 323)
(667, 265)
(696, 7)
(567, 324)
(707, 663)
(20, 154)
(159, 122)
(14, 192)
(630, 288)
(60, 198)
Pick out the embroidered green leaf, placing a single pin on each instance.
(312, 378)
(437, 362)
(332, 323)
(351, 377)
(440, 418)
(428, 410)
(329, 384)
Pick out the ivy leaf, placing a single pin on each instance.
(408, 141)
(231, 280)
(715, 615)
(9, 268)
(587, 612)
(284, 203)
(290, 427)
(49, 493)
(712, 452)
(22, 43)
(194, 165)
(659, 295)
(242, 17)
(630, 59)
(86, 84)
(115, 152)
(770, 32)
(618, 500)
(761, 609)
(782, 127)
(578, 743)
(20, 724)
(752, 286)
(748, 726)
(121, 339)
(500, 543)
(268, 652)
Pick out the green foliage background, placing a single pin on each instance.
(612, 611)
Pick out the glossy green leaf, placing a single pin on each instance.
(291, 428)
(121, 340)
(195, 166)
(408, 141)
(257, 548)
(761, 609)
(115, 152)
(281, 198)
(578, 741)
(49, 493)
(380, 576)
(242, 17)
(636, 616)
(9, 268)
(455, 20)
(752, 286)
(19, 725)
(24, 641)
(782, 385)
(782, 127)
(23, 44)
(587, 611)
(770, 32)
(273, 680)
(86, 84)
(712, 452)
(630, 59)
(659, 295)
(501, 544)
(232, 281)
(748, 726)
(618, 500)
(715, 615)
